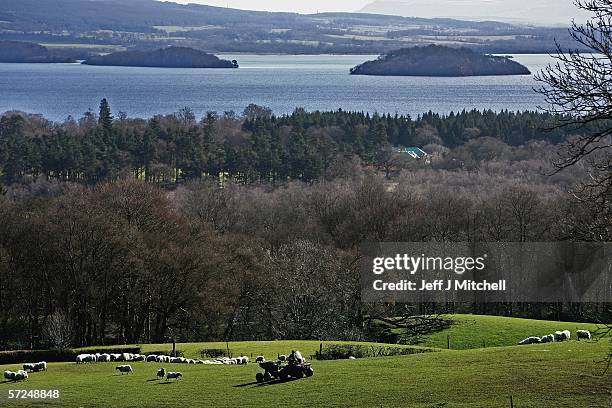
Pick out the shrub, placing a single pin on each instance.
(54, 356)
(33, 356)
(344, 351)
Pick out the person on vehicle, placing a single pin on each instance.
(295, 357)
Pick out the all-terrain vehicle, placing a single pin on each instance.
(292, 368)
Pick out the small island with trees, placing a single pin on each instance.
(439, 61)
(170, 57)
(25, 52)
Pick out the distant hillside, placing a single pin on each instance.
(536, 12)
(435, 60)
(148, 24)
(171, 57)
(17, 51)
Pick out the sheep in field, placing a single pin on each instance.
(104, 357)
(29, 366)
(176, 375)
(124, 369)
(282, 357)
(260, 359)
(9, 375)
(561, 335)
(583, 334)
(530, 340)
(567, 334)
(549, 338)
(41, 366)
(151, 357)
(245, 360)
(20, 376)
(161, 373)
(139, 357)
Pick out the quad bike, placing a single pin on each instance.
(283, 371)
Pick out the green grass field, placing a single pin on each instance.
(545, 375)
(476, 331)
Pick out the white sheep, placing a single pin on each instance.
(104, 357)
(139, 357)
(41, 366)
(151, 357)
(561, 335)
(85, 358)
(127, 357)
(260, 359)
(9, 375)
(567, 334)
(124, 369)
(245, 360)
(115, 357)
(176, 360)
(161, 373)
(20, 376)
(172, 374)
(29, 366)
(530, 340)
(549, 338)
(583, 334)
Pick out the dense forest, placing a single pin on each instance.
(249, 226)
(257, 146)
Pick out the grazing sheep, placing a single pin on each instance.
(260, 359)
(200, 362)
(85, 358)
(115, 357)
(124, 369)
(562, 335)
(41, 366)
(9, 375)
(127, 357)
(29, 366)
(20, 376)
(245, 360)
(567, 334)
(530, 340)
(282, 357)
(161, 373)
(139, 357)
(176, 375)
(176, 360)
(583, 334)
(549, 338)
(151, 357)
(104, 357)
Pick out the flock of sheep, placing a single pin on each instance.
(556, 336)
(21, 375)
(157, 358)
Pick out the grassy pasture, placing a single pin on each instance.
(475, 331)
(567, 374)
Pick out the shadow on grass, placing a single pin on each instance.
(245, 384)
(167, 382)
(273, 382)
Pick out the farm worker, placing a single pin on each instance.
(295, 357)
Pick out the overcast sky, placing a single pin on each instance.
(301, 6)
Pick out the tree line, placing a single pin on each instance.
(254, 147)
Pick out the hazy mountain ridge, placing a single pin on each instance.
(535, 12)
(149, 24)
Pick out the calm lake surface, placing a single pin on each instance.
(282, 82)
